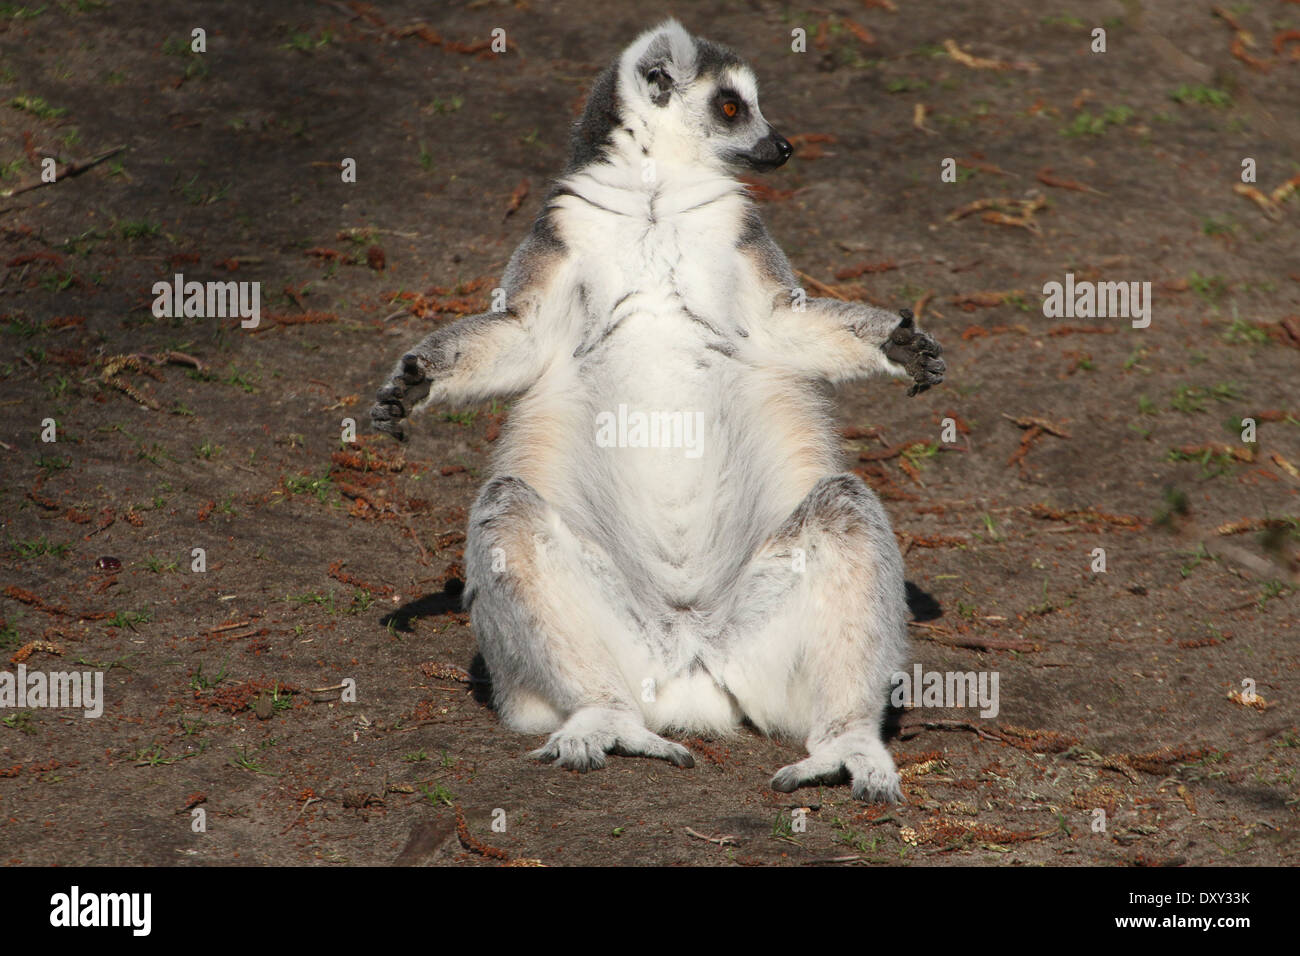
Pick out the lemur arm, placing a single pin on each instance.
(832, 339)
(479, 357)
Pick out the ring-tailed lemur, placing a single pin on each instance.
(621, 584)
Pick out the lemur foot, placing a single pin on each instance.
(591, 733)
(853, 756)
(917, 352)
(394, 400)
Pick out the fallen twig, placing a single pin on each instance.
(67, 172)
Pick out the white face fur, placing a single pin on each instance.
(691, 101)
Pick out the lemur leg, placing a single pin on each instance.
(817, 628)
(545, 607)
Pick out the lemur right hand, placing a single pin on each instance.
(395, 400)
(917, 352)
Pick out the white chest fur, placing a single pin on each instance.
(654, 352)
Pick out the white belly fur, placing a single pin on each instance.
(678, 525)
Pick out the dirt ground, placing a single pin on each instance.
(329, 563)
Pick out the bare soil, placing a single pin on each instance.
(328, 563)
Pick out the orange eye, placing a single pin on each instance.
(730, 109)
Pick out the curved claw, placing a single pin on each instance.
(589, 734)
(396, 398)
(917, 352)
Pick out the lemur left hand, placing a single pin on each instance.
(917, 352)
(404, 389)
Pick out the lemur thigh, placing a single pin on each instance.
(817, 629)
(544, 606)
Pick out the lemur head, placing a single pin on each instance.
(681, 98)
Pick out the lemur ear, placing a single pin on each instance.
(681, 47)
(668, 59)
(660, 82)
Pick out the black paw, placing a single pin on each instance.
(917, 352)
(395, 400)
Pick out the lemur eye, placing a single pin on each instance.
(655, 75)
(730, 108)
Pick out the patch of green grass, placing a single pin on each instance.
(1198, 557)
(55, 281)
(208, 450)
(10, 636)
(129, 619)
(437, 793)
(19, 11)
(281, 699)
(1273, 590)
(1199, 94)
(460, 418)
(157, 566)
(1210, 288)
(1086, 124)
(1212, 463)
(201, 681)
(22, 328)
(21, 721)
(321, 486)
(37, 107)
(416, 757)
(83, 244)
(155, 756)
(241, 380)
(1241, 332)
(1190, 399)
(920, 454)
(52, 463)
(200, 195)
(37, 547)
(361, 602)
(306, 43)
(907, 84)
(155, 454)
(138, 229)
(1218, 227)
(246, 761)
(314, 597)
(449, 105)
(855, 839)
(1045, 606)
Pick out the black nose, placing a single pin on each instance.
(783, 147)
